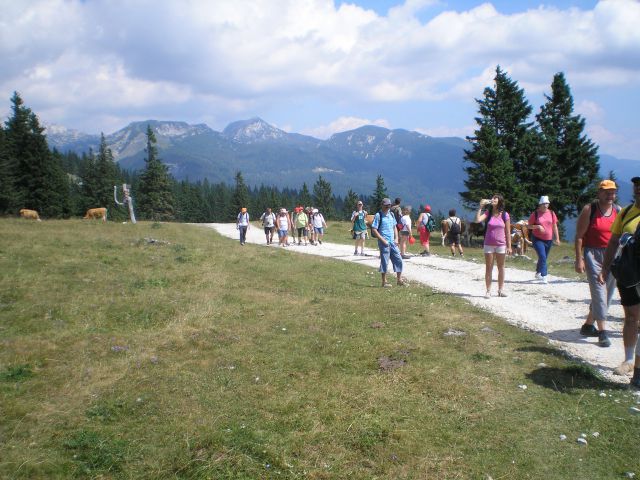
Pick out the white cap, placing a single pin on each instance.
(543, 199)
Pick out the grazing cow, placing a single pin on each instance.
(29, 214)
(520, 237)
(96, 213)
(475, 229)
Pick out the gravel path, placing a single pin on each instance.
(555, 310)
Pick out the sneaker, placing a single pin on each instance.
(320, 242)
(603, 339)
(386, 285)
(488, 294)
(538, 276)
(355, 253)
(501, 293)
(544, 279)
(403, 283)
(589, 330)
(625, 368)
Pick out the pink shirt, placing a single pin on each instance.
(495, 236)
(547, 219)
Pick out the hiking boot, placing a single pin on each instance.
(403, 283)
(603, 339)
(355, 253)
(405, 257)
(589, 330)
(625, 368)
(386, 285)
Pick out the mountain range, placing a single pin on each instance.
(418, 168)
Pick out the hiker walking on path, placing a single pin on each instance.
(405, 231)
(626, 222)
(268, 220)
(358, 219)
(242, 224)
(497, 240)
(453, 232)
(593, 231)
(425, 225)
(283, 223)
(301, 223)
(384, 229)
(543, 225)
(318, 223)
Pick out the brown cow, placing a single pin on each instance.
(96, 213)
(29, 214)
(520, 237)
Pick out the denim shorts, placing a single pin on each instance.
(319, 230)
(283, 233)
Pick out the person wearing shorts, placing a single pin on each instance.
(497, 240)
(424, 232)
(268, 220)
(626, 222)
(283, 223)
(317, 220)
(358, 219)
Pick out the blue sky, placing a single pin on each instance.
(318, 66)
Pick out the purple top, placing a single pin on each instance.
(495, 236)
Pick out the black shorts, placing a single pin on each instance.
(269, 229)
(629, 296)
(453, 239)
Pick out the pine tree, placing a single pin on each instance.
(323, 198)
(349, 204)
(155, 194)
(304, 198)
(571, 157)
(7, 192)
(240, 198)
(375, 202)
(503, 122)
(38, 179)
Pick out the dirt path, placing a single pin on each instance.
(556, 310)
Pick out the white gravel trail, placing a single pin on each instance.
(555, 310)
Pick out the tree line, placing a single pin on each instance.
(61, 185)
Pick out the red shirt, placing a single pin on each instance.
(599, 229)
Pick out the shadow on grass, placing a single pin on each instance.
(573, 376)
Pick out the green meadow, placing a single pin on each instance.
(159, 351)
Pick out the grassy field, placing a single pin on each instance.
(338, 232)
(161, 351)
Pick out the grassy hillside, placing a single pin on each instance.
(165, 351)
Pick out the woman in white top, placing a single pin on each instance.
(405, 232)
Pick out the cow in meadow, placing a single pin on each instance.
(29, 214)
(520, 237)
(96, 213)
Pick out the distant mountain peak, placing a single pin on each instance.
(252, 130)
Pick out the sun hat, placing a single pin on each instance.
(386, 201)
(427, 208)
(635, 180)
(315, 210)
(543, 199)
(607, 185)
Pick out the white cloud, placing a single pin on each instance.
(590, 110)
(343, 124)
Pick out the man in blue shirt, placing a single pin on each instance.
(384, 228)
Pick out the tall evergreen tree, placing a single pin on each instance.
(375, 202)
(503, 122)
(39, 181)
(240, 197)
(304, 198)
(323, 198)
(155, 193)
(349, 204)
(7, 192)
(571, 156)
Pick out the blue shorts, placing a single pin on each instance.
(319, 230)
(283, 233)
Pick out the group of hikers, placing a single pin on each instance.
(601, 225)
(306, 224)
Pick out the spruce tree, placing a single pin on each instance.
(39, 182)
(155, 194)
(7, 192)
(349, 204)
(323, 198)
(375, 202)
(304, 198)
(572, 158)
(240, 198)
